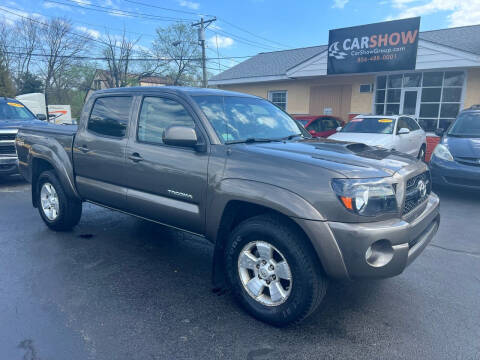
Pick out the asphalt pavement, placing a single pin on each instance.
(122, 288)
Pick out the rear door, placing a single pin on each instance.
(99, 151)
(166, 183)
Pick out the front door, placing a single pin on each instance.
(166, 183)
(410, 102)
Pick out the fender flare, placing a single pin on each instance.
(270, 196)
(58, 158)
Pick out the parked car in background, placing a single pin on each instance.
(456, 159)
(320, 125)
(392, 132)
(13, 114)
(280, 207)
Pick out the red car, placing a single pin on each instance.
(320, 125)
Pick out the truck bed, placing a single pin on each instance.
(52, 142)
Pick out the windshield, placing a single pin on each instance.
(14, 111)
(370, 125)
(466, 125)
(303, 122)
(236, 118)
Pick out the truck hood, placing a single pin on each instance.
(463, 147)
(353, 160)
(16, 124)
(383, 140)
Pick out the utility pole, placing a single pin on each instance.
(201, 41)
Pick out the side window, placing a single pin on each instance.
(316, 125)
(157, 114)
(412, 124)
(329, 124)
(402, 124)
(110, 116)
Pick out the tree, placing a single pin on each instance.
(118, 52)
(60, 47)
(6, 85)
(29, 83)
(177, 45)
(27, 39)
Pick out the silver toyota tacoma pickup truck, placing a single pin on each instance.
(286, 212)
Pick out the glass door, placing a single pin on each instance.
(410, 102)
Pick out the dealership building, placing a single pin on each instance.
(443, 79)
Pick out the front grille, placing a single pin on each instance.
(413, 191)
(463, 181)
(7, 150)
(472, 161)
(7, 137)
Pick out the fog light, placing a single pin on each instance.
(379, 253)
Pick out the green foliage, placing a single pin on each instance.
(178, 42)
(6, 84)
(29, 83)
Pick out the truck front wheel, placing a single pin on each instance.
(273, 271)
(58, 211)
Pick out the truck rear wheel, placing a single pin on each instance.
(273, 271)
(58, 211)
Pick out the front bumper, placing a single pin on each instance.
(453, 173)
(8, 165)
(373, 250)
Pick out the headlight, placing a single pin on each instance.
(367, 197)
(442, 152)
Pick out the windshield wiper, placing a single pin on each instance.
(290, 137)
(249, 141)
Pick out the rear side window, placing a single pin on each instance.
(109, 116)
(157, 114)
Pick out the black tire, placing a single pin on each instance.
(309, 284)
(422, 152)
(70, 210)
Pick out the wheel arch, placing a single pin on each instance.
(42, 158)
(237, 200)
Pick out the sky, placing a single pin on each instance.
(243, 28)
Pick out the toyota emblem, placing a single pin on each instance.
(422, 188)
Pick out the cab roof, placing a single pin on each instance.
(191, 91)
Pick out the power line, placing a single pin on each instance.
(84, 57)
(244, 40)
(167, 9)
(219, 18)
(113, 11)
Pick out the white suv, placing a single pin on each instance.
(397, 132)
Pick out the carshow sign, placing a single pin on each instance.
(385, 46)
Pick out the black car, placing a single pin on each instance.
(13, 115)
(456, 159)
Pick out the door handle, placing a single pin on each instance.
(135, 157)
(84, 149)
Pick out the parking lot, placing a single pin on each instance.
(122, 288)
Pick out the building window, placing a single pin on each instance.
(279, 98)
(440, 98)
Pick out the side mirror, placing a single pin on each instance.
(180, 136)
(439, 132)
(312, 132)
(403, 131)
(339, 129)
(42, 117)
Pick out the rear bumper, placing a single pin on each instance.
(8, 165)
(452, 173)
(373, 250)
